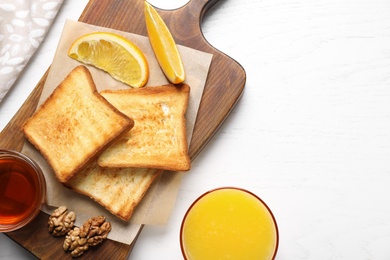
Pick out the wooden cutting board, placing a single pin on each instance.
(224, 86)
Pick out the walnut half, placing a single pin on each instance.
(94, 231)
(61, 221)
(73, 242)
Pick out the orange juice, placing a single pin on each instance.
(229, 223)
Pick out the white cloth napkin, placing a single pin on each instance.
(23, 25)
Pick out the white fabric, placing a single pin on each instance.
(23, 25)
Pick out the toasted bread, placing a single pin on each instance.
(74, 124)
(158, 138)
(119, 190)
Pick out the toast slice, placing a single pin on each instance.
(119, 190)
(74, 124)
(158, 138)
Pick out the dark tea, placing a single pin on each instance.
(22, 190)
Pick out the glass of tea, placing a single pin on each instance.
(22, 190)
(229, 223)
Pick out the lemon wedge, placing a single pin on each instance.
(163, 45)
(112, 53)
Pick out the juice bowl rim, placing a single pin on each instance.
(228, 188)
(42, 188)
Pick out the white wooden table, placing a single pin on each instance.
(310, 136)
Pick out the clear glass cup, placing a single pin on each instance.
(22, 190)
(229, 223)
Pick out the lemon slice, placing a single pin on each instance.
(116, 55)
(164, 46)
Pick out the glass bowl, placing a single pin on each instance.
(22, 190)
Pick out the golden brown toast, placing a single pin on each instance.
(158, 138)
(119, 190)
(74, 124)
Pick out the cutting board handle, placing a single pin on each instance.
(201, 6)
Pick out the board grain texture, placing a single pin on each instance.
(224, 86)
